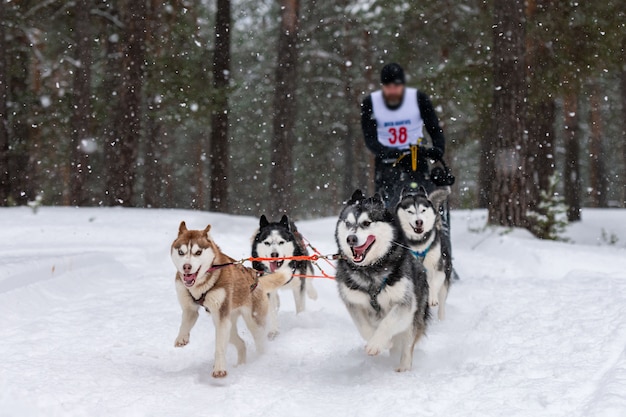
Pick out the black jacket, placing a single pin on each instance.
(382, 153)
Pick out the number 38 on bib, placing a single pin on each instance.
(399, 127)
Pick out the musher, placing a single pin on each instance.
(393, 120)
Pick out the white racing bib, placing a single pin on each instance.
(401, 127)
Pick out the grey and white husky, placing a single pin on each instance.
(279, 240)
(382, 285)
(420, 220)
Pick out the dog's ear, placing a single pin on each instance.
(378, 199)
(357, 196)
(405, 192)
(182, 228)
(284, 221)
(439, 195)
(421, 192)
(263, 221)
(206, 231)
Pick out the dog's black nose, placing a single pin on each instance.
(274, 254)
(187, 268)
(419, 223)
(352, 240)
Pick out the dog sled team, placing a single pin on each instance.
(392, 268)
(394, 260)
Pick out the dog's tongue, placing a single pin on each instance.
(190, 279)
(274, 265)
(358, 251)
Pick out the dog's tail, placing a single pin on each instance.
(275, 280)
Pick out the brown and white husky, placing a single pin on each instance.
(208, 278)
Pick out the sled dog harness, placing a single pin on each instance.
(258, 274)
(373, 295)
(200, 301)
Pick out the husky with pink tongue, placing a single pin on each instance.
(381, 283)
(207, 278)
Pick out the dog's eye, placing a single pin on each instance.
(366, 223)
(282, 242)
(266, 243)
(198, 252)
(180, 252)
(411, 211)
(349, 225)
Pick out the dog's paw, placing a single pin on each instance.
(402, 368)
(181, 341)
(433, 302)
(373, 348)
(272, 335)
(219, 373)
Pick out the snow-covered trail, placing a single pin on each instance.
(88, 317)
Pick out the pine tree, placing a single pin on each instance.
(549, 219)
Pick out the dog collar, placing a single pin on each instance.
(421, 255)
(219, 266)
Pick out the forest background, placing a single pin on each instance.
(252, 107)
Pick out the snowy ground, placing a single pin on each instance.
(88, 317)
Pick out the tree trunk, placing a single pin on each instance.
(19, 166)
(509, 200)
(571, 173)
(154, 161)
(153, 167)
(542, 108)
(285, 110)
(5, 187)
(623, 90)
(540, 148)
(122, 153)
(597, 169)
(486, 171)
(350, 147)
(367, 158)
(80, 129)
(219, 117)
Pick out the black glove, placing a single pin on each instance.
(432, 153)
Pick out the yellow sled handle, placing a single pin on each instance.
(414, 154)
(414, 150)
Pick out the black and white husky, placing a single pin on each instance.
(282, 240)
(420, 220)
(382, 285)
